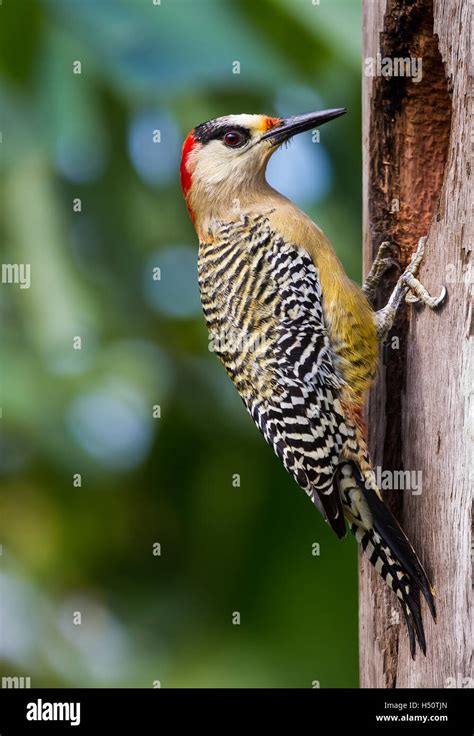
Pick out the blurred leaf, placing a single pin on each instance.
(305, 50)
(20, 30)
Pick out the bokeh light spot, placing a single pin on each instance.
(112, 424)
(176, 293)
(303, 174)
(154, 144)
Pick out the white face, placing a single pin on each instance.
(231, 156)
(224, 160)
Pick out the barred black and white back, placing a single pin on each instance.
(264, 296)
(262, 301)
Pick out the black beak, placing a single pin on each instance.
(299, 123)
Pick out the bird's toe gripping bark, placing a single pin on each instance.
(408, 287)
(386, 258)
(416, 291)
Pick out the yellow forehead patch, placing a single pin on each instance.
(267, 123)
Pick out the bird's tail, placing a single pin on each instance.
(387, 547)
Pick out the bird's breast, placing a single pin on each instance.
(240, 301)
(259, 293)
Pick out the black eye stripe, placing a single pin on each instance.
(211, 131)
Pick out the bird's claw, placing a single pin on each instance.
(417, 256)
(433, 302)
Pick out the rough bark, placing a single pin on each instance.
(417, 182)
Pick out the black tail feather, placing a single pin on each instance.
(391, 553)
(411, 632)
(409, 601)
(396, 539)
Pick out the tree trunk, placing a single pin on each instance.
(416, 181)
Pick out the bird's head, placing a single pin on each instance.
(225, 159)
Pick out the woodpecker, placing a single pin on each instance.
(297, 337)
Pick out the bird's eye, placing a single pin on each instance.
(234, 138)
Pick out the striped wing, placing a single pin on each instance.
(254, 286)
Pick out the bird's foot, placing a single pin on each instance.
(408, 287)
(386, 258)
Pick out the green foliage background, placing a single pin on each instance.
(65, 411)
